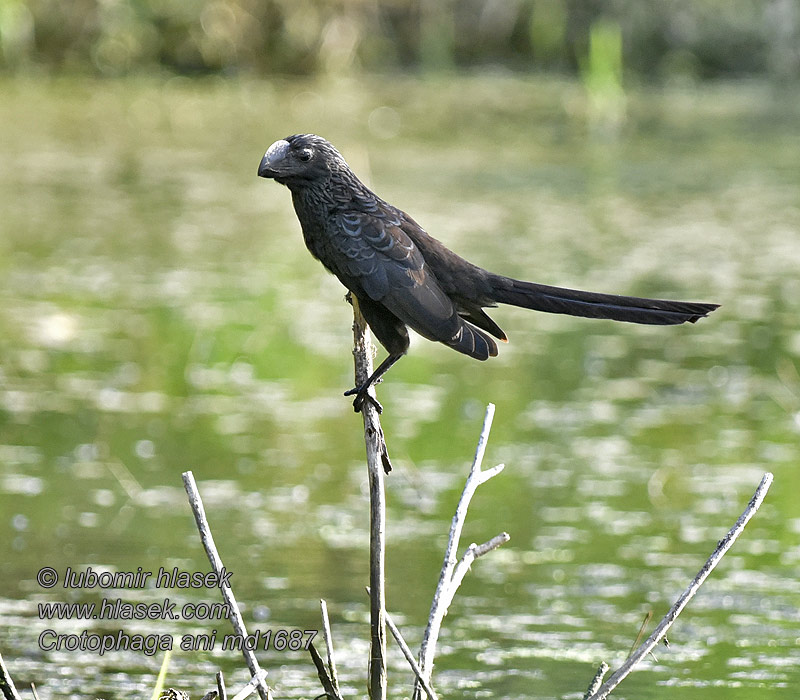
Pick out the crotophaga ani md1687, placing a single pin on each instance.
(402, 277)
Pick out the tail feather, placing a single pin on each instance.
(558, 300)
(473, 342)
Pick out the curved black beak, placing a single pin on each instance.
(270, 163)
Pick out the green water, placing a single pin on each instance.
(158, 313)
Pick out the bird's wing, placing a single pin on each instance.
(374, 249)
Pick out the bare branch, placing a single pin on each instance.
(596, 681)
(398, 637)
(363, 352)
(453, 571)
(227, 594)
(6, 683)
(487, 474)
(377, 462)
(473, 552)
(481, 549)
(255, 683)
(326, 634)
(331, 690)
(222, 692)
(661, 630)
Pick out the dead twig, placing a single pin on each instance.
(331, 689)
(6, 683)
(256, 673)
(401, 642)
(328, 637)
(596, 681)
(661, 630)
(453, 570)
(222, 692)
(255, 683)
(377, 463)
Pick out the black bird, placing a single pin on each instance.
(402, 277)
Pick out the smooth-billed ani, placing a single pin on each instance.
(402, 277)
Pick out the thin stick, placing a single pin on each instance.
(328, 637)
(398, 637)
(460, 571)
(450, 578)
(642, 628)
(33, 690)
(661, 630)
(602, 669)
(222, 693)
(227, 594)
(331, 691)
(6, 683)
(162, 676)
(363, 352)
(377, 462)
(254, 683)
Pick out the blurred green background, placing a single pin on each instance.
(678, 39)
(159, 312)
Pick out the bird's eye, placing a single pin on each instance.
(304, 155)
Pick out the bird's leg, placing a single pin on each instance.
(362, 392)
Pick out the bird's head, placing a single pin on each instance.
(298, 158)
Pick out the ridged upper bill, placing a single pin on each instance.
(274, 155)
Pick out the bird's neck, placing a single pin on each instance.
(325, 196)
(314, 202)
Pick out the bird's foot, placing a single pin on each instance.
(362, 395)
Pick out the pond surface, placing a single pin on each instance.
(159, 313)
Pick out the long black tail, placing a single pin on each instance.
(557, 300)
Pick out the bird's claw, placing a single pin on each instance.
(358, 403)
(362, 394)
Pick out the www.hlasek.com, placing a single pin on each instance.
(118, 609)
(150, 644)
